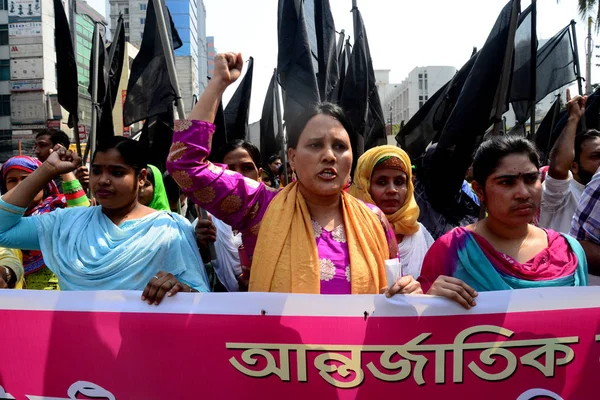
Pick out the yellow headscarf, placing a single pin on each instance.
(404, 221)
(286, 258)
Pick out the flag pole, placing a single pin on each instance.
(578, 68)
(113, 49)
(73, 27)
(554, 118)
(576, 51)
(169, 58)
(533, 87)
(96, 60)
(280, 131)
(503, 85)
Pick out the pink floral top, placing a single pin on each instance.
(242, 202)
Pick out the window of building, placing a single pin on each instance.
(126, 25)
(4, 6)
(142, 21)
(420, 104)
(4, 70)
(5, 105)
(127, 38)
(126, 11)
(3, 35)
(143, 7)
(420, 76)
(420, 84)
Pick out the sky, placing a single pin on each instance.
(402, 34)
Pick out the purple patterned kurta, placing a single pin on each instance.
(242, 202)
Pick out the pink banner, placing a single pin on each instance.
(529, 344)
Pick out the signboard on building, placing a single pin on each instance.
(55, 108)
(27, 68)
(26, 86)
(26, 50)
(22, 134)
(28, 108)
(54, 124)
(82, 132)
(24, 29)
(24, 9)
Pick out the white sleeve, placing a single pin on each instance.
(555, 193)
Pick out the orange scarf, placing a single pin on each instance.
(286, 259)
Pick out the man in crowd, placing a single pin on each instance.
(45, 141)
(586, 223)
(573, 161)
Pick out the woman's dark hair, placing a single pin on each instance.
(239, 143)
(493, 150)
(133, 152)
(150, 176)
(273, 158)
(297, 125)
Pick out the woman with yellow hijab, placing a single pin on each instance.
(383, 177)
(311, 236)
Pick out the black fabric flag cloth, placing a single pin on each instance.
(427, 124)
(360, 98)
(270, 142)
(521, 82)
(294, 60)
(543, 138)
(157, 134)
(220, 137)
(67, 84)
(149, 90)
(238, 108)
(104, 121)
(470, 117)
(592, 120)
(555, 69)
(116, 67)
(328, 71)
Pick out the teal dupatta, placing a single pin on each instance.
(476, 270)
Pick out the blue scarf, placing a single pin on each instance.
(87, 251)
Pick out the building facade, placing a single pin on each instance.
(211, 53)
(190, 20)
(28, 101)
(403, 100)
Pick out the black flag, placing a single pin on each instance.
(294, 60)
(328, 74)
(157, 133)
(104, 121)
(591, 118)
(470, 117)
(238, 108)
(149, 90)
(220, 137)
(555, 69)
(360, 98)
(270, 142)
(66, 67)
(116, 67)
(544, 139)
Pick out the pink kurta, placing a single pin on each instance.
(242, 202)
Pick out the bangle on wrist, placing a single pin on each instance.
(8, 274)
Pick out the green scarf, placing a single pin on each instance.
(160, 201)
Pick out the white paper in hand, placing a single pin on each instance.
(392, 271)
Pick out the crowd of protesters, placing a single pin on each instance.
(307, 232)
